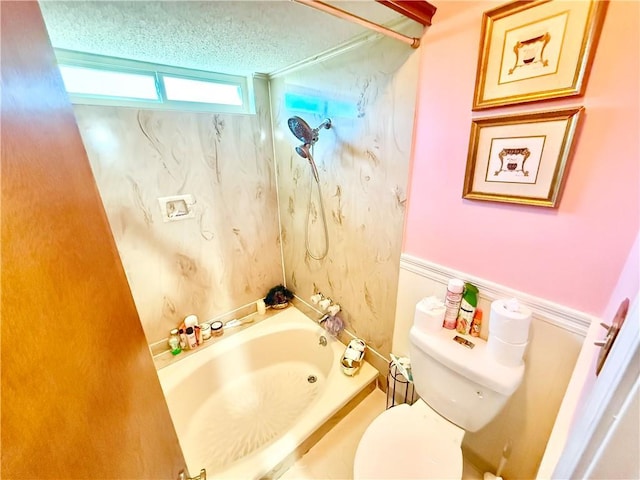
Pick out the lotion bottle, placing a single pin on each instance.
(452, 302)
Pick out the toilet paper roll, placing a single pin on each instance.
(509, 354)
(429, 314)
(509, 321)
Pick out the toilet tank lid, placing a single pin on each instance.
(476, 364)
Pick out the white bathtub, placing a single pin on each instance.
(242, 405)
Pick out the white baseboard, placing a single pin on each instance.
(563, 317)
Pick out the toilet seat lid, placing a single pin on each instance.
(402, 443)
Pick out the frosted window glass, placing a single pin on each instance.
(87, 81)
(188, 90)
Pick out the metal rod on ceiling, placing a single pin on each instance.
(338, 12)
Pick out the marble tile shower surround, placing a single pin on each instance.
(226, 257)
(363, 162)
(229, 255)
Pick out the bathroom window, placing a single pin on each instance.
(99, 80)
(92, 82)
(192, 90)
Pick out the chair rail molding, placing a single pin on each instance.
(556, 314)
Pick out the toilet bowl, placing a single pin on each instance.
(409, 442)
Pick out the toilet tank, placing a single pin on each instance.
(464, 385)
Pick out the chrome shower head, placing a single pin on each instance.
(303, 150)
(304, 132)
(308, 136)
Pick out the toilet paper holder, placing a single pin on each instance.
(399, 388)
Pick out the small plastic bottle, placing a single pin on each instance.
(476, 326)
(205, 331)
(174, 342)
(261, 307)
(190, 321)
(452, 302)
(467, 309)
(183, 338)
(191, 338)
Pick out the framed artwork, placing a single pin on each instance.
(520, 158)
(536, 50)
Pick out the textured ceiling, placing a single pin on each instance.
(238, 37)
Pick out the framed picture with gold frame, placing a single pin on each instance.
(520, 158)
(534, 50)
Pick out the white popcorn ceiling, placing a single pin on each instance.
(236, 37)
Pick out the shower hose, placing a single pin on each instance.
(324, 221)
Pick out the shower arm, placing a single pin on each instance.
(326, 124)
(338, 12)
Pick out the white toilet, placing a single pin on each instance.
(461, 389)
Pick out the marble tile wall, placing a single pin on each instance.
(225, 257)
(363, 163)
(229, 255)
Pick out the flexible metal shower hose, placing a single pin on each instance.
(324, 221)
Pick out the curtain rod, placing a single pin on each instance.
(338, 12)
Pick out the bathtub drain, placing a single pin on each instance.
(312, 379)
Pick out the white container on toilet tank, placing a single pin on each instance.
(429, 314)
(509, 354)
(509, 324)
(510, 321)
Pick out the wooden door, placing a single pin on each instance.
(80, 396)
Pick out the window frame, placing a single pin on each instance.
(114, 64)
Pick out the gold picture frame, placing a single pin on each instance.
(534, 50)
(520, 158)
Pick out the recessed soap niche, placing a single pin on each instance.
(177, 207)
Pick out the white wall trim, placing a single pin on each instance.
(563, 317)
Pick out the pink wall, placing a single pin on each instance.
(571, 255)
